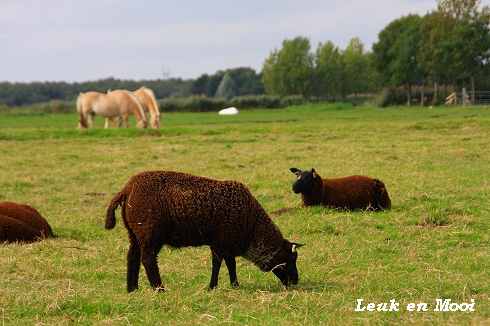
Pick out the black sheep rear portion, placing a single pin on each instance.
(182, 210)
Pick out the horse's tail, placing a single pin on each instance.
(383, 200)
(155, 112)
(83, 120)
(118, 200)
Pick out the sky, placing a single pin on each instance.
(69, 40)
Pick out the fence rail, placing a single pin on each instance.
(468, 98)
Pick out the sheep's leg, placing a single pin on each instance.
(215, 271)
(149, 259)
(231, 264)
(134, 261)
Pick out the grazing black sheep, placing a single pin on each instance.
(354, 192)
(180, 210)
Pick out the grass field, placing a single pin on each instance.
(434, 243)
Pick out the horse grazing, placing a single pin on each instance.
(147, 99)
(114, 104)
(85, 102)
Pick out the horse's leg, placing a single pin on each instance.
(106, 124)
(126, 120)
(153, 119)
(90, 118)
(157, 121)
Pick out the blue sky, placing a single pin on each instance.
(53, 40)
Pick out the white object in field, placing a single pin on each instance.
(229, 111)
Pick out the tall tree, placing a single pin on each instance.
(356, 67)
(471, 35)
(396, 53)
(328, 71)
(456, 41)
(463, 10)
(289, 70)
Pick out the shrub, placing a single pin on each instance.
(293, 100)
(208, 104)
(256, 101)
(192, 104)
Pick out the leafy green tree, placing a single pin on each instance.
(199, 86)
(289, 70)
(396, 53)
(463, 10)
(456, 42)
(356, 67)
(270, 75)
(329, 71)
(246, 80)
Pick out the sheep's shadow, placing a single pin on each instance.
(306, 286)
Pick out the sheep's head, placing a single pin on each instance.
(306, 180)
(285, 263)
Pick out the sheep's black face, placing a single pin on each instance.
(286, 271)
(305, 181)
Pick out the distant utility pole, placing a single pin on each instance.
(165, 72)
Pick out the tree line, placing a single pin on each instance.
(328, 72)
(419, 56)
(239, 81)
(448, 47)
(17, 94)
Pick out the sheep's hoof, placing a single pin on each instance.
(132, 289)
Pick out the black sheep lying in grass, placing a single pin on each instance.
(354, 192)
(28, 215)
(13, 230)
(22, 223)
(182, 210)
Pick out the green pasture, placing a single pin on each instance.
(434, 243)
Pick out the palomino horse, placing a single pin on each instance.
(147, 99)
(115, 104)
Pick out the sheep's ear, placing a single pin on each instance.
(295, 170)
(296, 246)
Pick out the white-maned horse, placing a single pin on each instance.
(147, 99)
(114, 104)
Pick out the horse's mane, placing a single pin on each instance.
(151, 94)
(138, 104)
